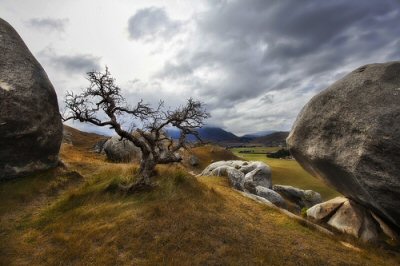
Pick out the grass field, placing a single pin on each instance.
(287, 172)
(59, 218)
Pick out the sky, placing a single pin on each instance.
(254, 63)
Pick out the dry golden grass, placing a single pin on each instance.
(183, 221)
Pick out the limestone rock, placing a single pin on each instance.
(302, 198)
(236, 178)
(30, 122)
(325, 209)
(271, 196)
(347, 219)
(253, 173)
(353, 219)
(118, 150)
(349, 135)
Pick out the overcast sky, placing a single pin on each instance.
(255, 63)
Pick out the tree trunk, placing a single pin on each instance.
(144, 179)
(146, 170)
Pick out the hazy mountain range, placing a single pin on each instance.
(221, 136)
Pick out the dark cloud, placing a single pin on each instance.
(150, 23)
(48, 24)
(242, 50)
(72, 64)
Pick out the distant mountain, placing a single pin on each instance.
(273, 140)
(211, 134)
(221, 136)
(258, 134)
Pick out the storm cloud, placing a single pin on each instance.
(254, 63)
(72, 64)
(151, 23)
(48, 24)
(245, 52)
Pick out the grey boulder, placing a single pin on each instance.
(244, 175)
(30, 122)
(349, 136)
(235, 177)
(300, 197)
(324, 210)
(118, 150)
(351, 218)
(271, 196)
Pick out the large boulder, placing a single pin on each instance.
(30, 122)
(118, 150)
(349, 135)
(242, 174)
(351, 218)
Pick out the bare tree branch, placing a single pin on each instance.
(102, 104)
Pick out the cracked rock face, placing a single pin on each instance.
(350, 218)
(349, 136)
(30, 123)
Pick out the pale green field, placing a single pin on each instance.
(288, 172)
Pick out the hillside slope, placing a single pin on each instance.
(80, 139)
(272, 140)
(58, 218)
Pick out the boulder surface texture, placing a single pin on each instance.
(351, 218)
(300, 197)
(242, 174)
(271, 196)
(349, 135)
(119, 151)
(30, 122)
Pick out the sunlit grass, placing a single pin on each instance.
(183, 221)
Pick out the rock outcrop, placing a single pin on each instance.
(350, 218)
(241, 174)
(322, 211)
(271, 196)
(99, 146)
(30, 122)
(118, 150)
(349, 135)
(302, 198)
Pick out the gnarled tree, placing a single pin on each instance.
(102, 104)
